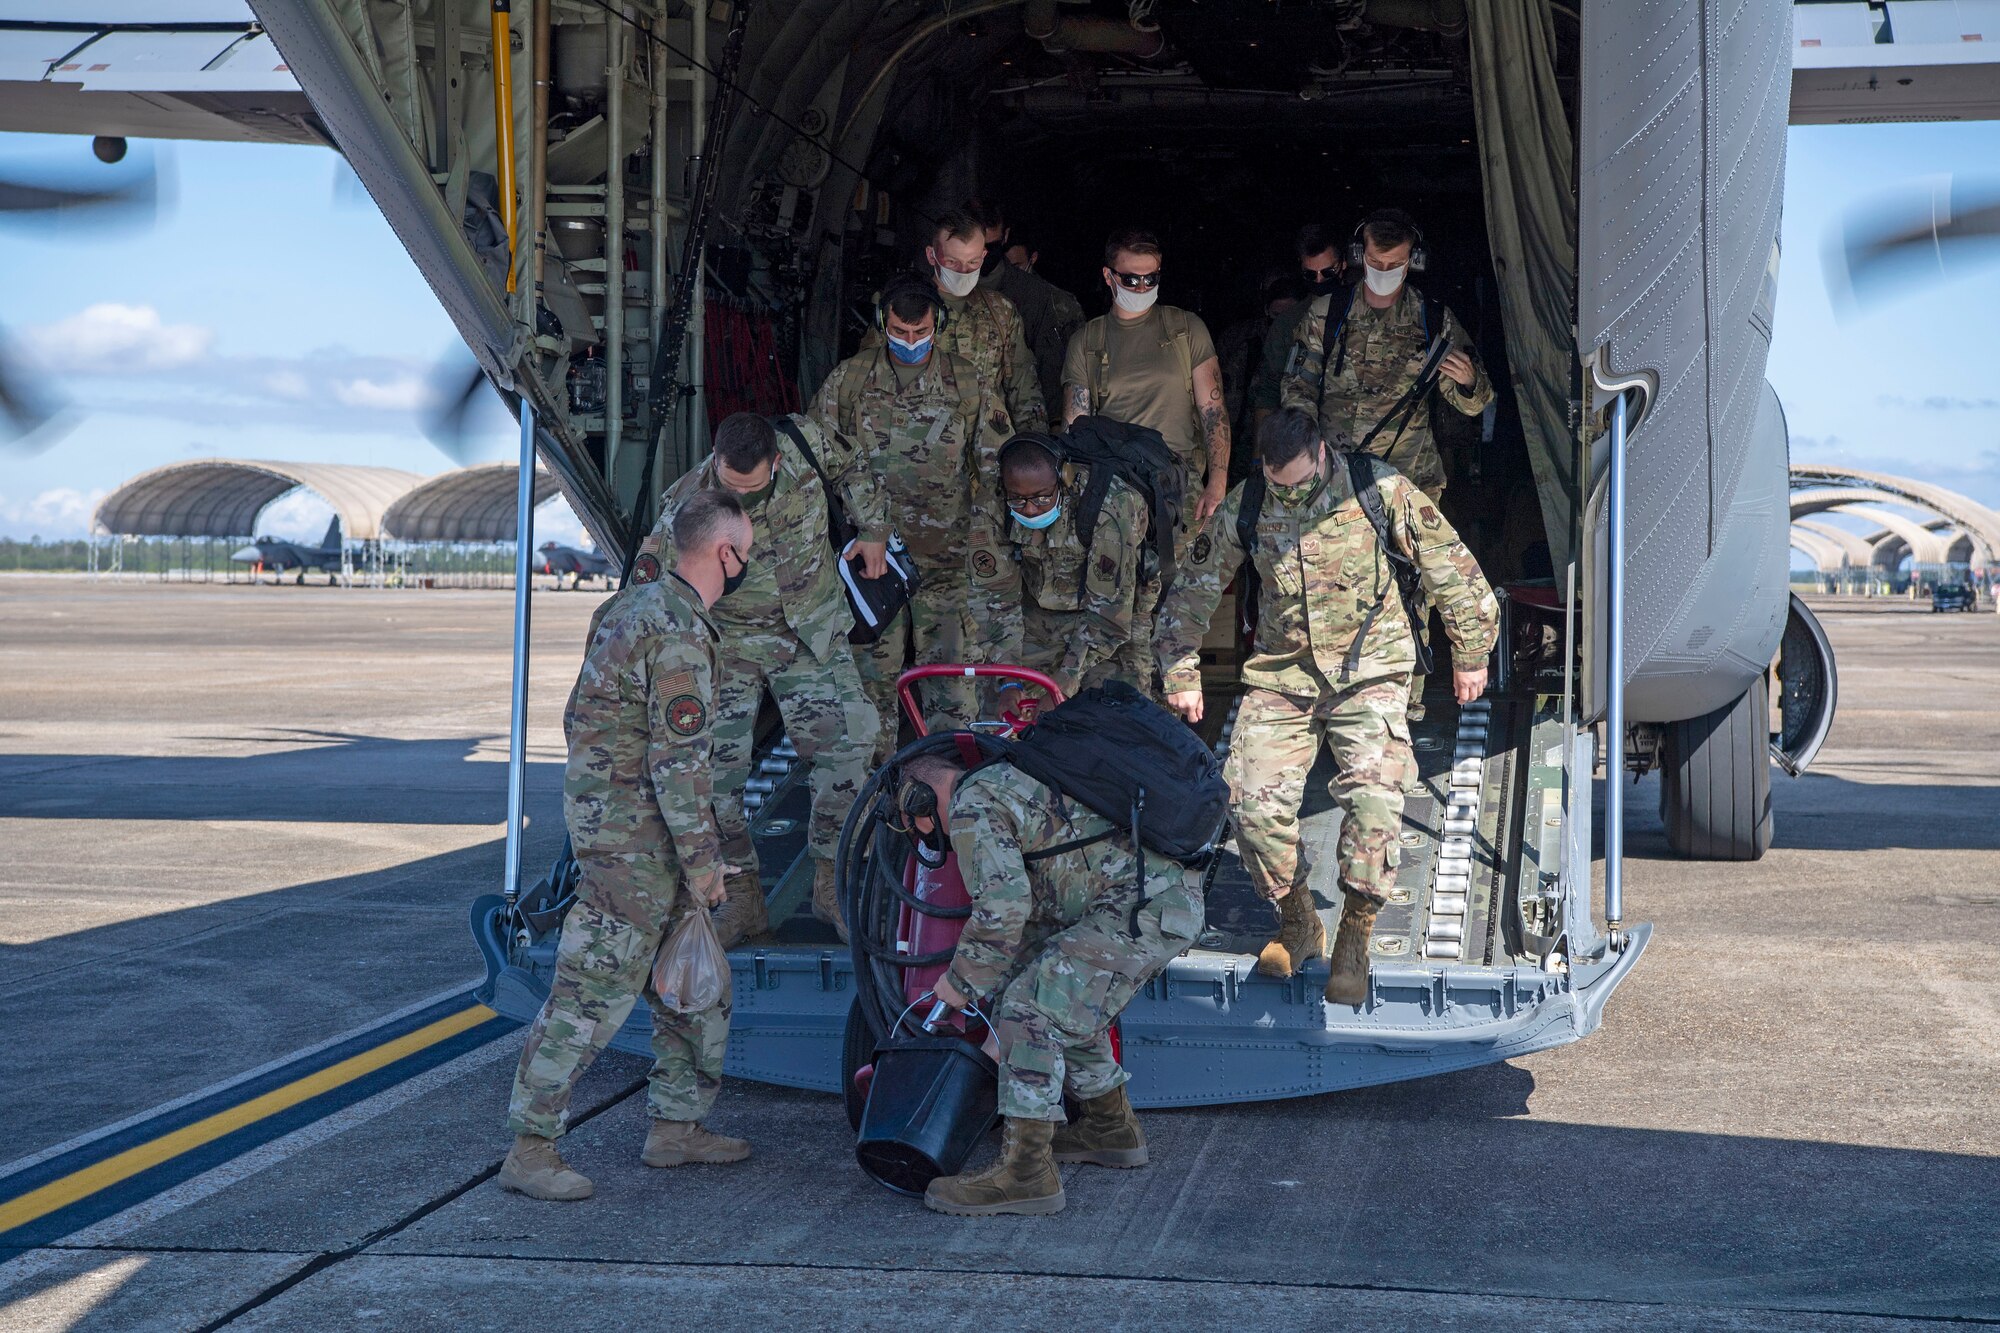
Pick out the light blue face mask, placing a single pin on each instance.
(910, 353)
(1040, 521)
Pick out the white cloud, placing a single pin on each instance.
(61, 511)
(405, 393)
(113, 337)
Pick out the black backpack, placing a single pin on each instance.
(1120, 755)
(1409, 581)
(1138, 456)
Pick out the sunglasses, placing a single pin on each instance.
(1137, 282)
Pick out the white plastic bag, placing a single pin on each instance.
(691, 973)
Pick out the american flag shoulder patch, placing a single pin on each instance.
(681, 682)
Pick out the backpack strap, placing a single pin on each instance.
(1332, 343)
(1249, 510)
(1089, 505)
(1097, 355)
(1431, 326)
(1362, 477)
(839, 530)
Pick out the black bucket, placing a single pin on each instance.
(931, 1100)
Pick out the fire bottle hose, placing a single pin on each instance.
(868, 866)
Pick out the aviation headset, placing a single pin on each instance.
(1357, 243)
(914, 284)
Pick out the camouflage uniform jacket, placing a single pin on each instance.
(1385, 352)
(792, 582)
(933, 434)
(986, 329)
(1107, 594)
(637, 787)
(999, 815)
(1324, 576)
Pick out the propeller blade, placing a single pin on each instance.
(31, 419)
(1913, 238)
(454, 386)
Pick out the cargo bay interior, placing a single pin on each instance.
(1222, 126)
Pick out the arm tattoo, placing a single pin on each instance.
(1078, 405)
(1215, 432)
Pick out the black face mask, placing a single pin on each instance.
(731, 582)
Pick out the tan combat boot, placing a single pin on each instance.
(1347, 982)
(741, 916)
(1301, 935)
(1107, 1134)
(679, 1142)
(536, 1169)
(1024, 1180)
(826, 898)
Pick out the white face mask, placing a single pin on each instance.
(954, 282)
(1385, 281)
(1135, 303)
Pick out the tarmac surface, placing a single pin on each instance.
(243, 824)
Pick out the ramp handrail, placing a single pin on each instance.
(1614, 713)
(517, 714)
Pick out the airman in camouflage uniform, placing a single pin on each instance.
(1331, 665)
(933, 435)
(1055, 948)
(980, 325)
(785, 628)
(1084, 625)
(984, 330)
(1384, 351)
(636, 798)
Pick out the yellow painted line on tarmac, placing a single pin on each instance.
(103, 1175)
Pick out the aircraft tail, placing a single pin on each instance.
(331, 542)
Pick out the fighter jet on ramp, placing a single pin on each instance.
(277, 555)
(579, 565)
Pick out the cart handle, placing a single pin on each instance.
(937, 670)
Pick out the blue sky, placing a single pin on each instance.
(271, 314)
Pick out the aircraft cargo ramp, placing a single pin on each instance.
(1481, 955)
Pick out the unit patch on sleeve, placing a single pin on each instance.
(686, 715)
(983, 564)
(1198, 553)
(646, 569)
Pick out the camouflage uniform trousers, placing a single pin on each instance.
(1052, 1017)
(1275, 741)
(1045, 642)
(604, 963)
(828, 716)
(941, 623)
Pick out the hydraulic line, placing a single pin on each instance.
(503, 126)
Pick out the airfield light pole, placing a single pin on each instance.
(517, 728)
(1614, 713)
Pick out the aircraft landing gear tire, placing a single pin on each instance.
(1715, 780)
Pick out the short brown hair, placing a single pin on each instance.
(959, 225)
(745, 441)
(1131, 241)
(1285, 435)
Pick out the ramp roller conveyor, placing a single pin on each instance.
(1444, 929)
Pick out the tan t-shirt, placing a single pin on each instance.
(1145, 382)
